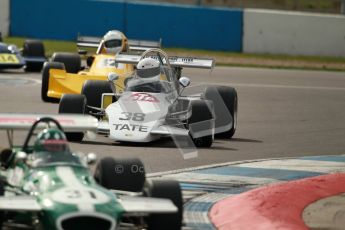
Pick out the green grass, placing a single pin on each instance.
(221, 57)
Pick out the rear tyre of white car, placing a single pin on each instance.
(220, 96)
(167, 189)
(93, 91)
(45, 80)
(71, 61)
(73, 104)
(33, 48)
(200, 123)
(126, 174)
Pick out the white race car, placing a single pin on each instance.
(152, 105)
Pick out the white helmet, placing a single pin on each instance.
(113, 41)
(148, 68)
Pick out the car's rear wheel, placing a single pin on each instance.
(45, 80)
(167, 189)
(224, 99)
(201, 123)
(72, 61)
(73, 104)
(33, 48)
(93, 91)
(120, 174)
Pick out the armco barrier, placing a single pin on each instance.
(293, 33)
(4, 16)
(178, 26)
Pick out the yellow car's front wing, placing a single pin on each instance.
(61, 82)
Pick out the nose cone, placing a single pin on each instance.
(134, 115)
(75, 208)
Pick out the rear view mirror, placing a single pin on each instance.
(184, 81)
(91, 158)
(113, 77)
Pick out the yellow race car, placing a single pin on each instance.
(64, 74)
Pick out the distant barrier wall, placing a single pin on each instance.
(4, 16)
(250, 31)
(293, 33)
(178, 26)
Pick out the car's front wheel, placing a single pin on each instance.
(73, 104)
(71, 61)
(201, 123)
(167, 189)
(224, 99)
(45, 80)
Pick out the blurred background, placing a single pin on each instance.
(236, 32)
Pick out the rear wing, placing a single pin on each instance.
(88, 41)
(188, 62)
(142, 45)
(70, 123)
(138, 45)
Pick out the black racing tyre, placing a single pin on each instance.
(93, 91)
(2, 214)
(6, 158)
(120, 174)
(33, 48)
(200, 123)
(168, 189)
(72, 61)
(75, 104)
(45, 80)
(230, 100)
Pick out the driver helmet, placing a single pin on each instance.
(114, 42)
(51, 140)
(149, 68)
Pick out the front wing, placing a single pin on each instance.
(61, 82)
(19, 203)
(162, 130)
(8, 61)
(146, 205)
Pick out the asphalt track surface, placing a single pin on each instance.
(282, 113)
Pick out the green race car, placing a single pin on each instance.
(44, 185)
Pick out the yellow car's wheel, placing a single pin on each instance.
(45, 80)
(71, 61)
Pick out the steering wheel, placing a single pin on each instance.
(46, 120)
